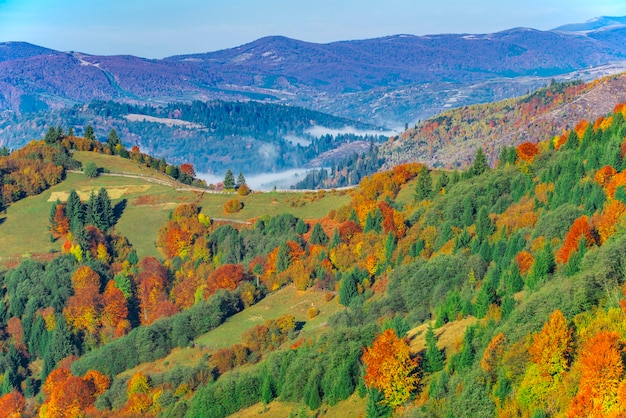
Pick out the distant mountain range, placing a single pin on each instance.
(390, 80)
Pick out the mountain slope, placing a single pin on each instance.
(214, 136)
(451, 139)
(393, 79)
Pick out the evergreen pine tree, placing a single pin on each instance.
(89, 133)
(484, 226)
(336, 239)
(268, 389)
(480, 163)
(468, 212)
(61, 346)
(353, 217)
(390, 247)
(107, 217)
(51, 136)
(92, 214)
(283, 258)
(433, 358)
(376, 408)
(301, 227)
(112, 140)
(369, 222)
(424, 186)
(466, 357)
(515, 283)
(312, 389)
(75, 211)
(442, 181)
(318, 236)
(229, 180)
(241, 180)
(348, 289)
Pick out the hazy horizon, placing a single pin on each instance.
(189, 26)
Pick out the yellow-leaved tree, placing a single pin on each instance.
(390, 368)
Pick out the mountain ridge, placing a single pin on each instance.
(353, 79)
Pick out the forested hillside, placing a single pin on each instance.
(215, 136)
(451, 138)
(494, 291)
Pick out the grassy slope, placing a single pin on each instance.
(24, 229)
(354, 406)
(287, 301)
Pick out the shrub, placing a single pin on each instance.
(90, 169)
(233, 206)
(243, 190)
(312, 312)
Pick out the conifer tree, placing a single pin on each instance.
(390, 247)
(484, 226)
(480, 163)
(376, 408)
(312, 390)
(112, 140)
(241, 180)
(348, 289)
(75, 211)
(318, 236)
(89, 133)
(107, 217)
(336, 239)
(229, 180)
(268, 388)
(51, 136)
(424, 185)
(442, 182)
(283, 258)
(301, 227)
(369, 222)
(92, 214)
(433, 358)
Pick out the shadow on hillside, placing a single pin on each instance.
(3, 219)
(118, 209)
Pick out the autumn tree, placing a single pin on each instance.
(390, 368)
(552, 347)
(602, 369)
(12, 405)
(550, 354)
(580, 229)
(527, 151)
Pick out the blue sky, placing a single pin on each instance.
(158, 28)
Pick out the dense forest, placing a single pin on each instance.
(347, 171)
(522, 262)
(213, 136)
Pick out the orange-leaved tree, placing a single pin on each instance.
(579, 229)
(390, 368)
(12, 405)
(552, 347)
(527, 151)
(602, 369)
